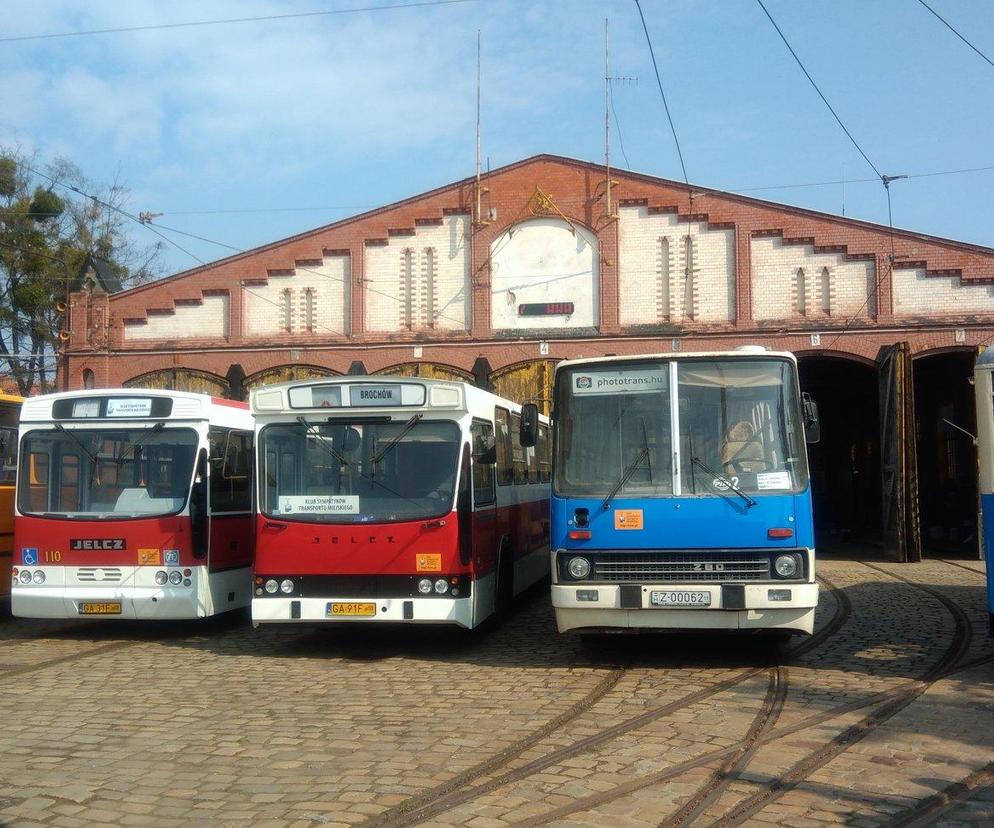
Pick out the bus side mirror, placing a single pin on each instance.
(528, 435)
(812, 425)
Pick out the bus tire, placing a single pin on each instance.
(504, 588)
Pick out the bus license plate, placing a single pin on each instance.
(337, 609)
(100, 608)
(679, 598)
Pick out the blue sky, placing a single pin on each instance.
(350, 112)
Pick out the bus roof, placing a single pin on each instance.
(747, 352)
(186, 406)
(386, 394)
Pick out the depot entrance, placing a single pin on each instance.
(945, 422)
(845, 465)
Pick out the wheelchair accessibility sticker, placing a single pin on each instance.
(29, 556)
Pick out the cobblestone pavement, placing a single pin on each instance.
(884, 717)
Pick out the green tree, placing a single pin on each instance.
(44, 240)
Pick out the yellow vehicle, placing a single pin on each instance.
(10, 407)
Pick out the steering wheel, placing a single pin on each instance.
(737, 464)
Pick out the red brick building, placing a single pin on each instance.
(546, 263)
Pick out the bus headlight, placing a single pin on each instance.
(161, 577)
(286, 586)
(175, 577)
(578, 568)
(25, 577)
(425, 586)
(785, 566)
(272, 586)
(441, 586)
(38, 577)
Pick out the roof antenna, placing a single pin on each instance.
(478, 219)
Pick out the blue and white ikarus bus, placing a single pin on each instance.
(680, 495)
(983, 385)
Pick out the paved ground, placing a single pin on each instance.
(886, 716)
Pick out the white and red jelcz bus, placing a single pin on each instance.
(133, 504)
(395, 499)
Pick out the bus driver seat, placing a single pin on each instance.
(742, 451)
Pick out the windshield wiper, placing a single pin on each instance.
(397, 438)
(130, 452)
(639, 458)
(63, 430)
(309, 429)
(720, 478)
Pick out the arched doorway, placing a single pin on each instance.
(531, 381)
(845, 465)
(426, 370)
(945, 422)
(181, 379)
(286, 373)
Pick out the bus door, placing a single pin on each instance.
(231, 530)
(484, 500)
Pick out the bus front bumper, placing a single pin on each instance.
(731, 607)
(272, 610)
(144, 603)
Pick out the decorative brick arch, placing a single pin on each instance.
(181, 379)
(530, 380)
(426, 370)
(287, 373)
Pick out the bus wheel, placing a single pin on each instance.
(505, 583)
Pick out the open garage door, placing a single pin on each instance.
(901, 522)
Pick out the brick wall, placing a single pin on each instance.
(916, 293)
(674, 270)
(395, 270)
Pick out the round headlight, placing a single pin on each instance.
(424, 586)
(161, 577)
(175, 577)
(25, 576)
(578, 568)
(786, 566)
(441, 586)
(38, 577)
(271, 586)
(286, 586)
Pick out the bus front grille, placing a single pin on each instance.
(665, 567)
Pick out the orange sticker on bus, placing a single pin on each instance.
(149, 557)
(627, 518)
(429, 562)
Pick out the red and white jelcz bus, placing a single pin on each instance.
(133, 504)
(394, 499)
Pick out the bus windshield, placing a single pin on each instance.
(358, 472)
(738, 422)
(85, 474)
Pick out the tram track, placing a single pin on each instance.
(802, 770)
(459, 790)
(887, 703)
(958, 565)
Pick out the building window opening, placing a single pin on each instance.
(802, 300)
(286, 306)
(826, 292)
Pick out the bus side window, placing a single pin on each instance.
(532, 453)
(518, 459)
(231, 481)
(543, 450)
(505, 471)
(482, 435)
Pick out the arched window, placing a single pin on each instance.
(430, 286)
(407, 288)
(286, 306)
(826, 292)
(310, 311)
(88, 379)
(688, 277)
(664, 285)
(800, 292)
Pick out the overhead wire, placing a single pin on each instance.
(229, 20)
(659, 83)
(951, 28)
